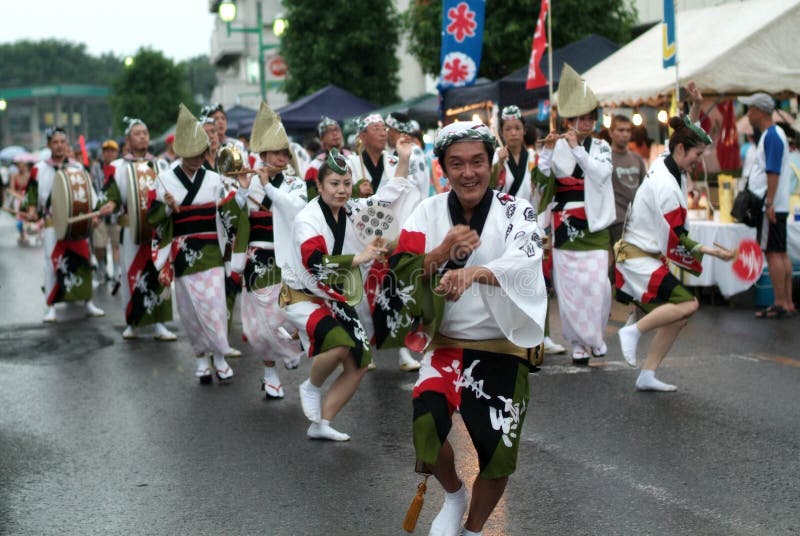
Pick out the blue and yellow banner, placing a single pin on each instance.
(669, 47)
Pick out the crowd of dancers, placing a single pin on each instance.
(335, 255)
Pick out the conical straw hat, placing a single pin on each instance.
(575, 97)
(190, 138)
(268, 133)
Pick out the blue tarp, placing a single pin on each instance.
(332, 101)
(304, 115)
(238, 117)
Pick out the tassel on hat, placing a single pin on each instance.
(575, 97)
(190, 138)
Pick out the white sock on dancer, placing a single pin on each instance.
(628, 340)
(324, 430)
(270, 373)
(224, 371)
(311, 401)
(448, 521)
(647, 381)
(468, 532)
(203, 366)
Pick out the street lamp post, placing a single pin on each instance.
(227, 12)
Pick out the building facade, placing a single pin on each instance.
(235, 55)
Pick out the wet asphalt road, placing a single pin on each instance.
(104, 436)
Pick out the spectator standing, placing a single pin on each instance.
(629, 171)
(107, 229)
(769, 178)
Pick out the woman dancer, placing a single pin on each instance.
(654, 234)
(325, 249)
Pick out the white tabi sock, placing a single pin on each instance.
(628, 340)
(647, 381)
(272, 383)
(203, 366)
(324, 430)
(93, 310)
(448, 521)
(224, 371)
(271, 376)
(468, 532)
(162, 333)
(311, 401)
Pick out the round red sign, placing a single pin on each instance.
(749, 261)
(277, 67)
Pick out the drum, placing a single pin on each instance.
(71, 196)
(141, 179)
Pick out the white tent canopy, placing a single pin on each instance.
(731, 49)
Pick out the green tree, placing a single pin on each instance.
(49, 62)
(349, 43)
(151, 89)
(202, 77)
(509, 30)
(30, 63)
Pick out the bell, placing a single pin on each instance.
(229, 160)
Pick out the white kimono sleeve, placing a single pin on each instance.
(162, 257)
(599, 190)
(292, 201)
(388, 193)
(520, 307)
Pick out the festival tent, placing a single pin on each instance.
(732, 49)
(332, 101)
(423, 108)
(239, 116)
(426, 111)
(510, 89)
(303, 115)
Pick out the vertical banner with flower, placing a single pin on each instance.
(462, 40)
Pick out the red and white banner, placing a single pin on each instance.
(536, 77)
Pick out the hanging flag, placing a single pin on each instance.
(669, 47)
(462, 41)
(536, 77)
(84, 152)
(543, 110)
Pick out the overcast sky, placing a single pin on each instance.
(180, 29)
